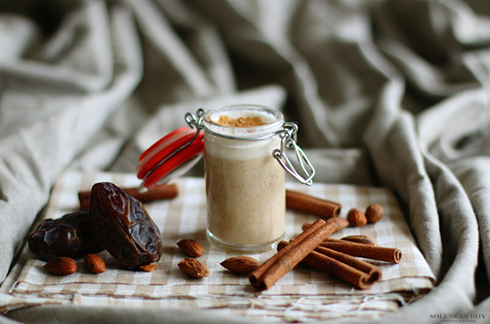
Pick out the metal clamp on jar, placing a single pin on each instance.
(245, 186)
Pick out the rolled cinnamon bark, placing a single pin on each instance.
(166, 191)
(366, 251)
(286, 259)
(357, 272)
(362, 239)
(312, 205)
(340, 223)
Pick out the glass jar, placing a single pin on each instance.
(245, 186)
(244, 148)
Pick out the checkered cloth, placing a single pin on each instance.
(303, 293)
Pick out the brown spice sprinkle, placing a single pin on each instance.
(251, 121)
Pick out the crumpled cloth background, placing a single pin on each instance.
(392, 93)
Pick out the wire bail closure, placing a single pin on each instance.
(288, 139)
(195, 120)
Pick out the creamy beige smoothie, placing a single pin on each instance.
(244, 186)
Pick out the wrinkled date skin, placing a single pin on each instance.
(123, 226)
(70, 236)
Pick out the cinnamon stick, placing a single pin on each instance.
(357, 272)
(286, 259)
(166, 191)
(312, 205)
(362, 239)
(366, 251)
(340, 223)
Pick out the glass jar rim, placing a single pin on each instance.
(273, 117)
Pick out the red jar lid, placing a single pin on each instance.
(171, 156)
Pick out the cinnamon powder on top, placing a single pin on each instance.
(251, 121)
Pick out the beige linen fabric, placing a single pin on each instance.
(388, 93)
(303, 293)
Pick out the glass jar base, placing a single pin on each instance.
(244, 248)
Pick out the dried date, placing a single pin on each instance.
(68, 236)
(123, 226)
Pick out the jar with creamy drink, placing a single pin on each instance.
(244, 158)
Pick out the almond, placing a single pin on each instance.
(95, 263)
(356, 217)
(191, 247)
(374, 213)
(241, 264)
(148, 267)
(363, 239)
(194, 267)
(62, 266)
